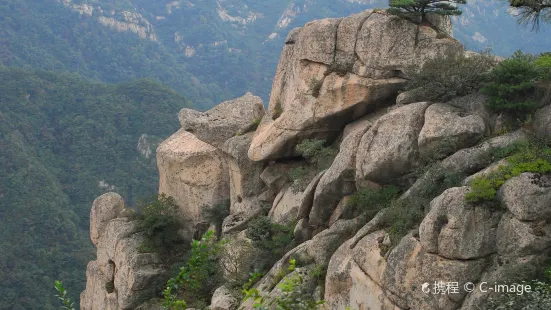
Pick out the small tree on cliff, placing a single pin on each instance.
(420, 8)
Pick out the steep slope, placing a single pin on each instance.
(63, 141)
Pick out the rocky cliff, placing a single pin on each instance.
(338, 80)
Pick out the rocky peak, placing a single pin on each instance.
(121, 277)
(338, 79)
(334, 71)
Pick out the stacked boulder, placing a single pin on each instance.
(203, 164)
(121, 277)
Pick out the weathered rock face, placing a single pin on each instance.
(194, 173)
(339, 180)
(224, 121)
(542, 122)
(448, 129)
(456, 230)
(223, 299)
(333, 71)
(389, 148)
(310, 251)
(104, 209)
(121, 277)
(338, 80)
(245, 182)
(527, 197)
(291, 205)
(458, 242)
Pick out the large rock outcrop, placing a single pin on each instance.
(338, 80)
(389, 149)
(448, 129)
(245, 182)
(194, 173)
(121, 277)
(334, 71)
(224, 121)
(339, 180)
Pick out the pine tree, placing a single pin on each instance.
(420, 8)
(533, 11)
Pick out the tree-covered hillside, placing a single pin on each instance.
(64, 141)
(44, 34)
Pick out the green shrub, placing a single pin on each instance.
(449, 76)
(511, 85)
(405, 214)
(301, 177)
(292, 297)
(318, 157)
(273, 238)
(532, 158)
(217, 213)
(66, 302)
(198, 278)
(370, 201)
(401, 217)
(315, 151)
(539, 296)
(157, 220)
(543, 64)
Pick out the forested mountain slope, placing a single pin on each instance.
(63, 141)
(209, 50)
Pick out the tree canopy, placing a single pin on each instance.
(419, 8)
(533, 11)
(64, 141)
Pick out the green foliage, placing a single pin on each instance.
(511, 85)
(318, 157)
(420, 8)
(448, 76)
(531, 159)
(66, 302)
(301, 177)
(217, 213)
(370, 201)
(273, 238)
(405, 214)
(293, 296)
(157, 220)
(60, 136)
(401, 217)
(315, 151)
(539, 296)
(533, 11)
(253, 279)
(543, 64)
(198, 278)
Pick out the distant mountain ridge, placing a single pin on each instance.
(210, 50)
